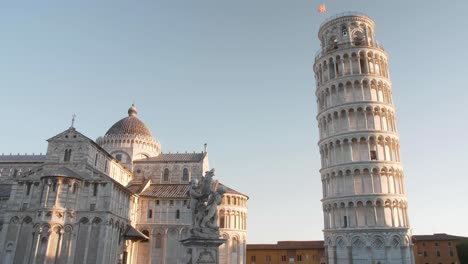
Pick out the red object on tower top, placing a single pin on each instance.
(322, 8)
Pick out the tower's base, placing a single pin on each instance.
(202, 250)
(379, 246)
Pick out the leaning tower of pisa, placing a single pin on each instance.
(364, 199)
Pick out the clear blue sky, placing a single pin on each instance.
(238, 75)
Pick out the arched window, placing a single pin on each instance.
(74, 188)
(221, 221)
(166, 175)
(177, 216)
(234, 245)
(67, 156)
(358, 38)
(332, 43)
(185, 175)
(158, 242)
(146, 233)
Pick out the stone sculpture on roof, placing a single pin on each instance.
(205, 196)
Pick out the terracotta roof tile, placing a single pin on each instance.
(300, 244)
(130, 125)
(288, 245)
(261, 246)
(167, 191)
(175, 157)
(171, 190)
(231, 191)
(438, 236)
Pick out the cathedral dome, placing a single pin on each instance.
(130, 125)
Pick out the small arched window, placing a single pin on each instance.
(332, 43)
(234, 245)
(177, 216)
(146, 233)
(158, 242)
(166, 175)
(358, 38)
(185, 175)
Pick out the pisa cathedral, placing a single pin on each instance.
(364, 198)
(118, 199)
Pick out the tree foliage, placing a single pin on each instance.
(462, 250)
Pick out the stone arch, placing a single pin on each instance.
(14, 220)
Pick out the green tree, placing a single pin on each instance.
(462, 250)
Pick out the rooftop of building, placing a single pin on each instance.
(129, 125)
(344, 14)
(285, 245)
(174, 191)
(12, 158)
(63, 172)
(175, 157)
(436, 237)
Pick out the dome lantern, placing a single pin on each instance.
(132, 111)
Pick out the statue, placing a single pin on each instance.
(204, 200)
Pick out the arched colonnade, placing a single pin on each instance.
(359, 148)
(363, 61)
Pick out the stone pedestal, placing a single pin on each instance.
(202, 250)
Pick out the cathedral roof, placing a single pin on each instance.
(64, 172)
(167, 191)
(133, 234)
(129, 125)
(176, 157)
(173, 190)
(22, 158)
(231, 191)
